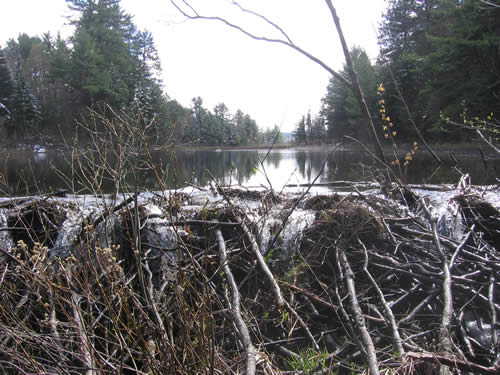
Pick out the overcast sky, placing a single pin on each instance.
(272, 83)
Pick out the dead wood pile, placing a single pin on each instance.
(171, 283)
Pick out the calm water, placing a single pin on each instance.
(24, 172)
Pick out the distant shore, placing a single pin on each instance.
(460, 148)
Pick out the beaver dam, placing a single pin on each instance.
(391, 279)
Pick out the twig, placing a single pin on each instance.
(195, 15)
(410, 118)
(85, 344)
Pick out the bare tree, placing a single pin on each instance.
(188, 11)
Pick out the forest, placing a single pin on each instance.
(438, 58)
(47, 82)
(439, 66)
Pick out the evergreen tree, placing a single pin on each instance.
(464, 62)
(6, 83)
(245, 128)
(179, 119)
(403, 42)
(300, 134)
(6, 91)
(251, 130)
(60, 61)
(340, 107)
(148, 93)
(199, 114)
(442, 54)
(222, 132)
(25, 111)
(102, 62)
(239, 123)
(318, 131)
(309, 135)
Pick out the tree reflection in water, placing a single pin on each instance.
(24, 172)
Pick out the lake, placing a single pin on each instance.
(26, 172)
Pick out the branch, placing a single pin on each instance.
(392, 320)
(236, 312)
(453, 361)
(410, 118)
(497, 150)
(490, 3)
(286, 42)
(85, 345)
(358, 314)
(444, 334)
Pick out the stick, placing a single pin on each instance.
(236, 312)
(392, 320)
(444, 331)
(453, 361)
(371, 355)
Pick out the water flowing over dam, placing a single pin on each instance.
(347, 272)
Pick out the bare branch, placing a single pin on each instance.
(358, 313)
(455, 362)
(390, 316)
(447, 314)
(266, 20)
(410, 117)
(487, 141)
(490, 3)
(236, 306)
(286, 42)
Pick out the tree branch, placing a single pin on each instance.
(286, 42)
(236, 311)
(358, 314)
(455, 362)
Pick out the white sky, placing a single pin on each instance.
(272, 83)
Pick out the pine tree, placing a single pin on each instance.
(103, 65)
(199, 114)
(309, 132)
(251, 130)
(148, 96)
(464, 62)
(25, 110)
(318, 131)
(340, 107)
(300, 134)
(6, 83)
(444, 56)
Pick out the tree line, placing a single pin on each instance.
(439, 61)
(47, 82)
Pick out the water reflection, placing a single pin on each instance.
(24, 172)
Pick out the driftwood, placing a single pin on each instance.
(233, 280)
